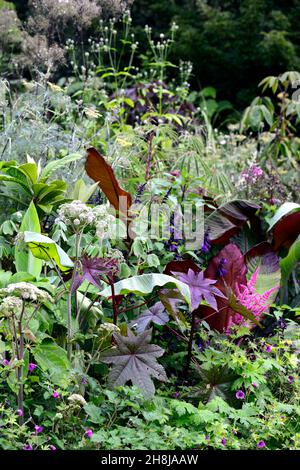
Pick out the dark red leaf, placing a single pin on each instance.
(286, 231)
(101, 172)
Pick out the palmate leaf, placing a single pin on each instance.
(93, 270)
(134, 359)
(155, 314)
(200, 288)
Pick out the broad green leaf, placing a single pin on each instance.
(52, 359)
(82, 192)
(288, 263)
(46, 249)
(31, 171)
(56, 164)
(24, 259)
(4, 278)
(145, 283)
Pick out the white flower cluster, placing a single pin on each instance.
(115, 254)
(11, 306)
(78, 215)
(26, 291)
(107, 328)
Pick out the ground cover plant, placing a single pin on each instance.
(149, 257)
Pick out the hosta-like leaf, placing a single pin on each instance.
(52, 359)
(24, 259)
(135, 360)
(44, 248)
(145, 283)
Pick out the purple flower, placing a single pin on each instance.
(268, 348)
(52, 447)
(19, 412)
(31, 366)
(261, 444)
(27, 447)
(290, 379)
(89, 433)
(176, 394)
(84, 381)
(240, 395)
(254, 385)
(221, 271)
(5, 362)
(206, 244)
(38, 429)
(223, 441)
(207, 438)
(55, 395)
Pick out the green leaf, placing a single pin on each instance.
(82, 192)
(145, 283)
(31, 171)
(52, 359)
(24, 259)
(46, 249)
(56, 164)
(288, 263)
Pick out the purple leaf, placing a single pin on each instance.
(92, 270)
(155, 314)
(200, 288)
(134, 359)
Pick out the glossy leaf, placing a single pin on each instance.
(24, 259)
(101, 172)
(145, 283)
(46, 249)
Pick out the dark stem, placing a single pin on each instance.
(190, 345)
(114, 304)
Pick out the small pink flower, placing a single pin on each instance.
(240, 395)
(52, 447)
(254, 385)
(89, 433)
(38, 429)
(223, 441)
(31, 366)
(55, 394)
(268, 348)
(5, 362)
(261, 444)
(19, 412)
(27, 447)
